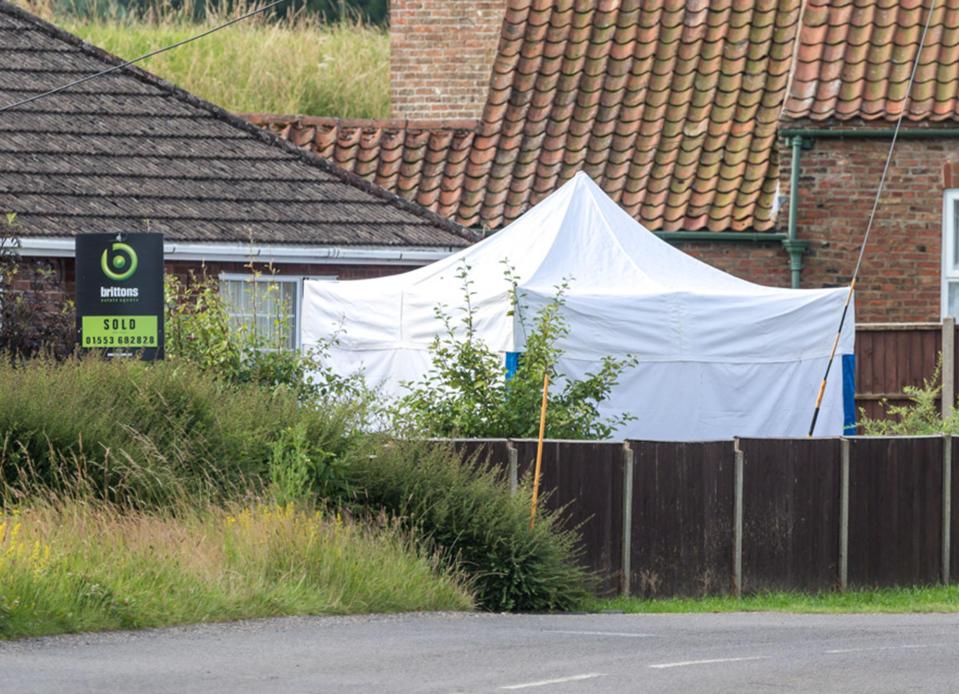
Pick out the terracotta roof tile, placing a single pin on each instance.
(672, 105)
(854, 58)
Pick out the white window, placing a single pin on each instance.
(268, 306)
(950, 254)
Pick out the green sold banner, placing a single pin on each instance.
(119, 331)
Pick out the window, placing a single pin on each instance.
(270, 305)
(950, 254)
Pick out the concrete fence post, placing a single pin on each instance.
(738, 521)
(627, 546)
(948, 365)
(843, 513)
(946, 506)
(513, 467)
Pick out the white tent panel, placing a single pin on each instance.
(718, 356)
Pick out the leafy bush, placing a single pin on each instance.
(150, 433)
(919, 417)
(468, 512)
(199, 331)
(467, 394)
(298, 471)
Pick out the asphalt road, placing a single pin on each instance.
(555, 654)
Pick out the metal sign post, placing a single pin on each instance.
(119, 294)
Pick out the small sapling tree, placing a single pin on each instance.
(467, 392)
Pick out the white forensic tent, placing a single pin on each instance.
(718, 356)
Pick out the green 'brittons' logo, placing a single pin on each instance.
(120, 264)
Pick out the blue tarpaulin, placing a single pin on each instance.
(849, 394)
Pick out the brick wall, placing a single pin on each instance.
(762, 262)
(900, 278)
(441, 54)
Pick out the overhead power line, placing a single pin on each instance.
(158, 51)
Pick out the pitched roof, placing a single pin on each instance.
(670, 105)
(129, 152)
(424, 162)
(854, 58)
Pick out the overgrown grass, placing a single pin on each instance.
(296, 65)
(152, 434)
(80, 566)
(903, 600)
(168, 435)
(467, 511)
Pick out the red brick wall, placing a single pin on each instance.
(900, 278)
(762, 262)
(62, 276)
(441, 55)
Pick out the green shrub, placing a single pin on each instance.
(198, 330)
(469, 513)
(151, 432)
(298, 470)
(919, 417)
(466, 392)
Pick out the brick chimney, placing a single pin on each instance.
(441, 56)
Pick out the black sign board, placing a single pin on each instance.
(120, 294)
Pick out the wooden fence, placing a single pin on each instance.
(732, 517)
(890, 356)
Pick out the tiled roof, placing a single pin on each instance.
(424, 162)
(670, 105)
(854, 59)
(129, 152)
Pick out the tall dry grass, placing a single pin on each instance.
(78, 565)
(292, 65)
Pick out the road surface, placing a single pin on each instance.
(547, 654)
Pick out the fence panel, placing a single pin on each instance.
(891, 356)
(895, 511)
(791, 490)
(585, 479)
(954, 515)
(682, 521)
(492, 452)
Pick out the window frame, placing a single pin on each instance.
(950, 270)
(295, 280)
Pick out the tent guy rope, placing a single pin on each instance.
(158, 51)
(872, 217)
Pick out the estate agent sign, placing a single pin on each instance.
(120, 294)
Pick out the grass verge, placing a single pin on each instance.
(80, 566)
(165, 438)
(892, 600)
